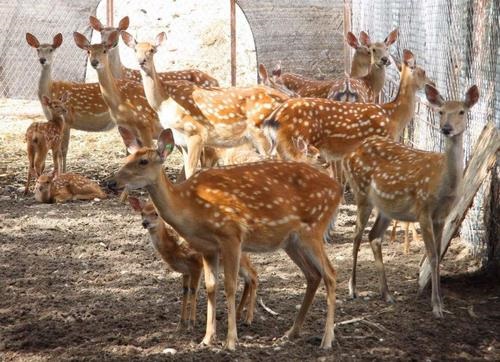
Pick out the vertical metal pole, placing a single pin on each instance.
(109, 12)
(233, 42)
(347, 28)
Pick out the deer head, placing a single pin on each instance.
(144, 51)
(453, 119)
(379, 51)
(150, 218)
(106, 31)
(45, 51)
(416, 75)
(42, 188)
(57, 106)
(98, 56)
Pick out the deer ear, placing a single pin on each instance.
(81, 41)
(352, 40)
(57, 41)
(264, 77)
(472, 96)
(166, 143)
(135, 203)
(392, 37)
(113, 39)
(409, 58)
(364, 39)
(124, 23)
(128, 39)
(433, 96)
(32, 40)
(130, 140)
(45, 100)
(277, 70)
(95, 23)
(161, 38)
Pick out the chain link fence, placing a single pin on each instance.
(457, 43)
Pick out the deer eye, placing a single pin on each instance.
(441, 112)
(156, 214)
(51, 50)
(104, 51)
(143, 162)
(461, 112)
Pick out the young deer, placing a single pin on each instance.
(259, 207)
(119, 71)
(337, 128)
(85, 102)
(275, 80)
(183, 259)
(204, 117)
(42, 137)
(126, 100)
(65, 187)
(409, 185)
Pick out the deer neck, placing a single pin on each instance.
(44, 87)
(358, 69)
(375, 79)
(454, 162)
(162, 240)
(153, 88)
(401, 110)
(115, 62)
(163, 196)
(109, 89)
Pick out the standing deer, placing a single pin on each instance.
(410, 185)
(259, 207)
(275, 80)
(85, 103)
(42, 137)
(181, 258)
(66, 187)
(204, 117)
(125, 99)
(120, 71)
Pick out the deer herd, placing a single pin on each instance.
(262, 150)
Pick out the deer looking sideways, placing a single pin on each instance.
(410, 185)
(120, 71)
(204, 117)
(258, 207)
(65, 187)
(365, 80)
(85, 102)
(42, 137)
(176, 252)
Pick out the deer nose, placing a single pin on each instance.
(385, 60)
(43, 61)
(446, 129)
(142, 62)
(145, 224)
(112, 184)
(94, 62)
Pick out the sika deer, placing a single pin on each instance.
(65, 187)
(119, 71)
(181, 258)
(85, 103)
(409, 185)
(258, 207)
(42, 137)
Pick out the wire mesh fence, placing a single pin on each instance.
(457, 43)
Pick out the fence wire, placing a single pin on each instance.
(458, 44)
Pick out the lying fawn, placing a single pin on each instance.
(409, 185)
(259, 207)
(65, 187)
(176, 252)
(44, 136)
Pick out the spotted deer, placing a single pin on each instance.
(337, 128)
(275, 80)
(44, 136)
(120, 71)
(66, 187)
(256, 207)
(204, 117)
(125, 99)
(180, 257)
(410, 185)
(407, 227)
(85, 102)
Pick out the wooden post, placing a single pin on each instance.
(233, 42)
(109, 12)
(347, 28)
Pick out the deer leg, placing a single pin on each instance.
(183, 323)
(31, 168)
(438, 235)
(57, 161)
(231, 254)
(249, 295)
(194, 146)
(364, 211)
(329, 278)
(210, 267)
(260, 141)
(194, 285)
(375, 237)
(426, 225)
(394, 230)
(65, 146)
(407, 238)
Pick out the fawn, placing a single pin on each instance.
(409, 185)
(258, 207)
(44, 136)
(65, 187)
(177, 253)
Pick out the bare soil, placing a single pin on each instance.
(81, 281)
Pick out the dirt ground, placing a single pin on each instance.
(81, 281)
